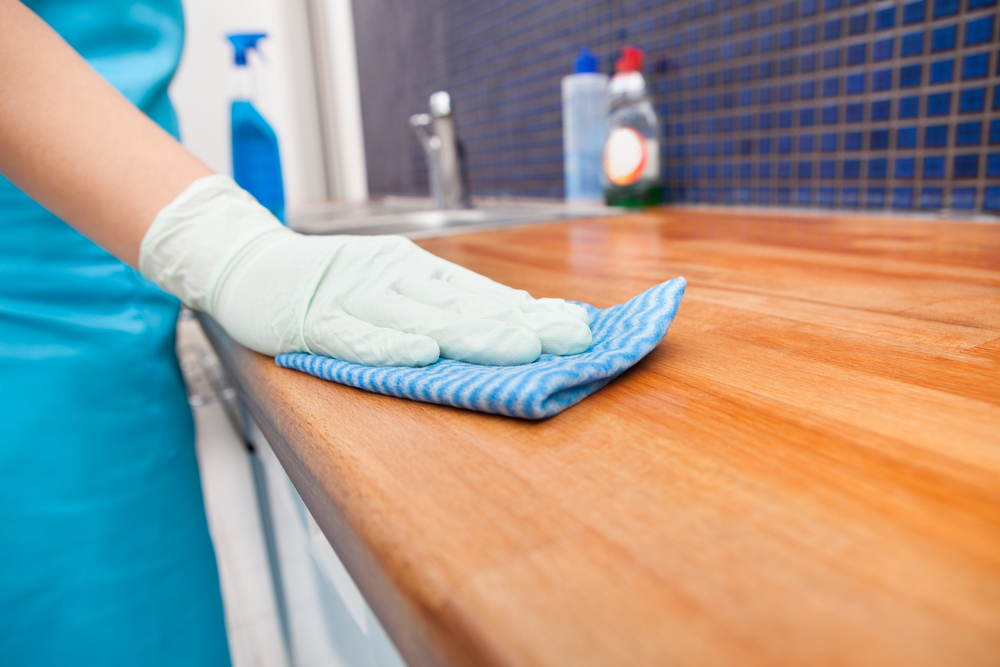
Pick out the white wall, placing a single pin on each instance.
(286, 95)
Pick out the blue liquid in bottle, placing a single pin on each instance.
(256, 161)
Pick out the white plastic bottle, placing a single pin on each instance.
(632, 149)
(585, 114)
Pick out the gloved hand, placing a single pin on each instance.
(374, 300)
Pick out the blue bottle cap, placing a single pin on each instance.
(243, 42)
(585, 61)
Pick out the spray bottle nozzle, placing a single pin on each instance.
(243, 42)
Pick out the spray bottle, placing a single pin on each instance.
(632, 149)
(256, 161)
(585, 120)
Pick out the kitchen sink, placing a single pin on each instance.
(416, 218)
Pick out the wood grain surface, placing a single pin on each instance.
(805, 472)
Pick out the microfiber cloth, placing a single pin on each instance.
(623, 335)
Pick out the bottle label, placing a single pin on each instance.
(625, 156)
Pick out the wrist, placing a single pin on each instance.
(195, 239)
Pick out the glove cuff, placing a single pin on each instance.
(196, 237)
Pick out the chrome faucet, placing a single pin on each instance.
(444, 156)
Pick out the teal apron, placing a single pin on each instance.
(105, 557)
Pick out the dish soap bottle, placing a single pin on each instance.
(585, 117)
(256, 160)
(632, 149)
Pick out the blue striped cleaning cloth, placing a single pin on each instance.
(623, 335)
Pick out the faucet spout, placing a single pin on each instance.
(445, 164)
(431, 145)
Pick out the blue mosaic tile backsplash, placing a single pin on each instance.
(808, 103)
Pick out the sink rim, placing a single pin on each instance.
(416, 218)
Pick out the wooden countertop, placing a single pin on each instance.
(805, 472)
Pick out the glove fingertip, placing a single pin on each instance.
(423, 351)
(521, 346)
(556, 307)
(504, 346)
(579, 312)
(565, 338)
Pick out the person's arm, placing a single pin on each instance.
(77, 146)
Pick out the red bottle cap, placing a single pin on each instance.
(630, 60)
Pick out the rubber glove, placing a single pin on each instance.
(373, 300)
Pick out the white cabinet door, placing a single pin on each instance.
(329, 622)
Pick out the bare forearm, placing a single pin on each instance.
(77, 146)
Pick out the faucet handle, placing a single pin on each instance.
(440, 104)
(420, 120)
